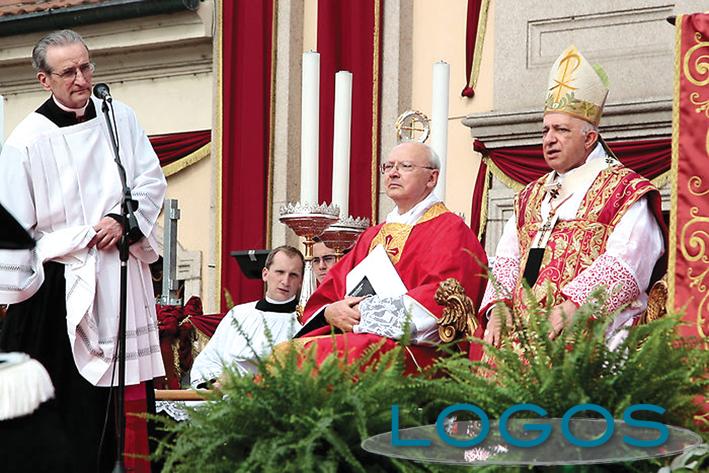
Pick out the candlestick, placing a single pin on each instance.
(308, 221)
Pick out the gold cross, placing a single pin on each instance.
(411, 129)
(563, 77)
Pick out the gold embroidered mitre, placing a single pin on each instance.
(576, 87)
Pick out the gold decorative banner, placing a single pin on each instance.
(688, 268)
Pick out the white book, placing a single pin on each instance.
(378, 270)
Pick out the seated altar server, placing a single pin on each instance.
(242, 335)
(420, 244)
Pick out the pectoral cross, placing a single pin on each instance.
(392, 251)
(553, 189)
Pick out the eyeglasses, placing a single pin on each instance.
(69, 75)
(403, 166)
(327, 259)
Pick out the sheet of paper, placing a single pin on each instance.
(380, 272)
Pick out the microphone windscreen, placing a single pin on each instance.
(101, 91)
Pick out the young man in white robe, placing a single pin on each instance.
(250, 330)
(59, 180)
(590, 222)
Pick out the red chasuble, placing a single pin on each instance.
(439, 246)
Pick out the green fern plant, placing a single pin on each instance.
(298, 416)
(652, 365)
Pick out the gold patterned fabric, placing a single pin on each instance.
(393, 236)
(573, 244)
(576, 87)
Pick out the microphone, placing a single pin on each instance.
(102, 92)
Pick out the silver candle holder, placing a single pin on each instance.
(341, 236)
(308, 221)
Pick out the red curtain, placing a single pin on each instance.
(688, 269)
(171, 147)
(245, 137)
(349, 39)
(524, 164)
(471, 34)
(481, 185)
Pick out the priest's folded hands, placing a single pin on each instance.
(108, 232)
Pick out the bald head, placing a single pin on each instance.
(410, 174)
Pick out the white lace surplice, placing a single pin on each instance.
(239, 347)
(59, 183)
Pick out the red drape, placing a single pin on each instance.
(137, 449)
(349, 39)
(207, 323)
(246, 62)
(481, 185)
(524, 164)
(471, 34)
(172, 146)
(689, 226)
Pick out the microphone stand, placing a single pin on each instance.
(128, 206)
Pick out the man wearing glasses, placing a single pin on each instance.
(426, 244)
(324, 258)
(59, 179)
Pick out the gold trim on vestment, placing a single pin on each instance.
(662, 179)
(578, 242)
(186, 161)
(298, 344)
(393, 236)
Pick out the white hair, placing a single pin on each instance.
(431, 156)
(588, 127)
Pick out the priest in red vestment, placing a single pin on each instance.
(426, 244)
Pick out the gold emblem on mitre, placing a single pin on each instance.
(576, 87)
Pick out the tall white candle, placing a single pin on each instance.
(439, 120)
(310, 128)
(341, 142)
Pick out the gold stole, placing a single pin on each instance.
(393, 236)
